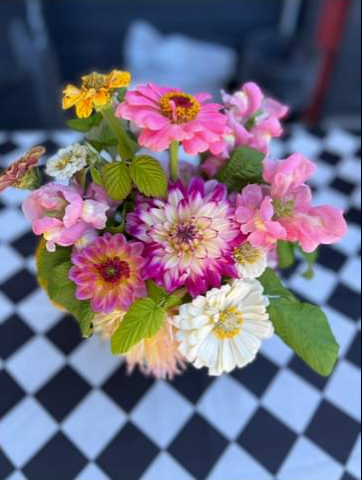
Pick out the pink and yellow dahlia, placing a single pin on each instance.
(168, 115)
(109, 273)
(190, 236)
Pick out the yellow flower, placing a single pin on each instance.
(96, 91)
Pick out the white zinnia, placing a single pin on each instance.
(225, 329)
(250, 262)
(67, 162)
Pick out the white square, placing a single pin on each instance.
(354, 462)
(14, 197)
(25, 430)
(350, 169)
(17, 475)
(27, 139)
(228, 406)
(64, 138)
(343, 328)
(341, 142)
(324, 175)
(292, 400)
(237, 464)
(165, 468)
(13, 225)
(93, 472)
(356, 198)
(319, 289)
(308, 462)
(35, 364)
(11, 263)
(277, 351)
(94, 423)
(6, 308)
(94, 361)
(344, 389)
(277, 149)
(170, 412)
(308, 145)
(351, 274)
(38, 312)
(351, 243)
(329, 196)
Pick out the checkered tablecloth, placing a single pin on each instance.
(68, 411)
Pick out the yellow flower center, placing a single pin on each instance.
(94, 80)
(185, 237)
(247, 255)
(229, 325)
(179, 107)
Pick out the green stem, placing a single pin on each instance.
(125, 147)
(174, 167)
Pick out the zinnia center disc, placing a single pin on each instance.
(180, 107)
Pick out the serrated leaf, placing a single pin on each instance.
(162, 298)
(84, 125)
(143, 320)
(47, 261)
(149, 177)
(305, 329)
(96, 176)
(286, 254)
(117, 180)
(245, 167)
(62, 291)
(273, 286)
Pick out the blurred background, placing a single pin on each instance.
(307, 53)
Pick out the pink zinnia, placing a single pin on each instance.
(190, 236)
(109, 273)
(168, 115)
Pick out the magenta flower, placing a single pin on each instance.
(168, 115)
(109, 273)
(190, 236)
(62, 216)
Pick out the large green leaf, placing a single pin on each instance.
(84, 125)
(149, 177)
(117, 180)
(63, 292)
(162, 298)
(273, 286)
(244, 167)
(47, 261)
(286, 254)
(143, 320)
(305, 329)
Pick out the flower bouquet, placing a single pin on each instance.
(177, 263)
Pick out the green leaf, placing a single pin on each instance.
(96, 176)
(121, 94)
(143, 320)
(47, 261)
(149, 177)
(244, 167)
(84, 125)
(286, 254)
(162, 298)
(273, 286)
(117, 180)
(305, 329)
(62, 291)
(311, 259)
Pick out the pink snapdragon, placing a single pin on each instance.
(284, 210)
(167, 115)
(62, 216)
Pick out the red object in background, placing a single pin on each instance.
(330, 32)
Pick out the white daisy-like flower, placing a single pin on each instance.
(250, 262)
(225, 329)
(67, 162)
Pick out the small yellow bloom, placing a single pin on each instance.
(96, 91)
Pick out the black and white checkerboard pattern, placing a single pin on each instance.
(68, 411)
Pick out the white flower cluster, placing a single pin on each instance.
(67, 162)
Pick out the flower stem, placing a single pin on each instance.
(174, 167)
(124, 143)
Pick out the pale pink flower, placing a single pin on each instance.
(167, 115)
(62, 216)
(244, 103)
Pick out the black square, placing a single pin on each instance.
(7, 147)
(258, 376)
(267, 440)
(343, 186)
(66, 334)
(317, 131)
(347, 476)
(198, 447)
(10, 393)
(13, 334)
(330, 158)
(59, 460)
(288, 273)
(193, 384)
(127, 390)
(26, 245)
(63, 393)
(346, 301)
(331, 258)
(5, 465)
(51, 147)
(302, 369)
(354, 216)
(129, 455)
(19, 286)
(354, 354)
(334, 431)
(358, 153)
